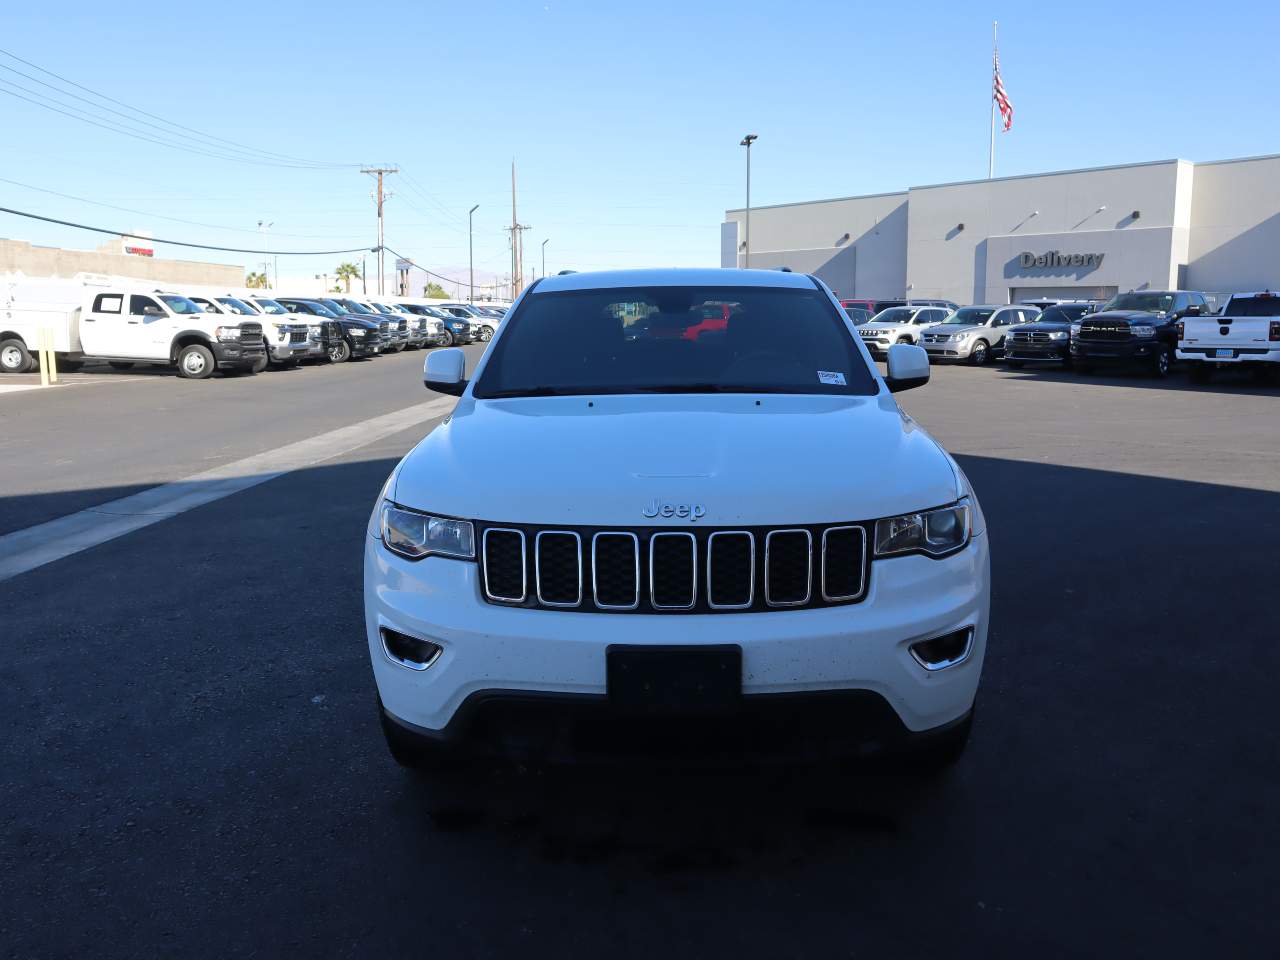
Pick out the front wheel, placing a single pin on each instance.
(980, 354)
(486, 334)
(14, 357)
(446, 339)
(195, 362)
(339, 352)
(1160, 363)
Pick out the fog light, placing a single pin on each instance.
(409, 651)
(945, 651)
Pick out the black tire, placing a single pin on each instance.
(120, 364)
(339, 352)
(1014, 364)
(1161, 363)
(980, 355)
(195, 362)
(448, 339)
(486, 334)
(14, 357)
(1200, 373)
(942, 753)
(264, 361)
(417, 753)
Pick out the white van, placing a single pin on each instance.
(101, 318)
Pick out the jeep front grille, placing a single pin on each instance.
(662, 570)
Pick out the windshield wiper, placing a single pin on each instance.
(528, 392)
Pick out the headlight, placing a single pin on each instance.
(357, 332)
(1057, 334)
(314, 331)
(227, 333)
(1075, 329)
(1144, 331)
(959, 336)
(935, 532)
(417, 535)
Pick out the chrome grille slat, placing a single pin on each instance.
(751, 578)
(861, 555)
(539, 571)
(524, 568)
(693, 564)
(595, 570)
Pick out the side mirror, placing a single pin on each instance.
(445, 371)
(908, 367)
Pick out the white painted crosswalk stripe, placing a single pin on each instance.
(25, 550)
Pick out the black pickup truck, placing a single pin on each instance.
(359, 337)
(1139, 328)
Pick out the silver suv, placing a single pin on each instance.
(975, 334)
(898, 325)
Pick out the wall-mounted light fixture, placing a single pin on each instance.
(1135, 214)
(844, 238)
(959, 227)
(742, 245)
(1034, 213)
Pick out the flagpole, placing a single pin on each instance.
(991, 151)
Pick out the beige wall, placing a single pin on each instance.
(19, 256)
(1235, 226)
(1052, 211)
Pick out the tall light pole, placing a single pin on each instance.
(544, 256)
(263, 227)
(749, 139)
(471, 256)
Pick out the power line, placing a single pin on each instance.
(171, 123)
(182, 243)
(158, 216)
(118, 128)
(429, 273)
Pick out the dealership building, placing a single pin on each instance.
(1073, 234)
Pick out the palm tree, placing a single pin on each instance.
(347, 272)
(256, 281)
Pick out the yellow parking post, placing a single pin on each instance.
(53, 361)
(42, 338)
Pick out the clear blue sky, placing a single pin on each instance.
(624, 120)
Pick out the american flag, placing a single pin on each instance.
(1003, 104)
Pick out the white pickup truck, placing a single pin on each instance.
(122, 324)
(286, 340)
(1246, 333)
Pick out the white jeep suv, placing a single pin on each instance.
(625, 536)
(898, 325)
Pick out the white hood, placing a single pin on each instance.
(767, 459)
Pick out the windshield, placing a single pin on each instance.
(326, 308)
(1066, 313)
(269, 306)
(1254, 307)
(336, 307)
(238, 306)
(1145, 302)
(970, 315)
(356, 307)
(894, 315)
(642, 340)
(180, 304)
(382, 308)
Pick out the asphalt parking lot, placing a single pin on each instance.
(193, 765)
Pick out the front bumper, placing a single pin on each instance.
(1119, 351)
(958, 350)
(236, 354)
(493, 651)
(1052, 352)
(368, 346)
(281, 352)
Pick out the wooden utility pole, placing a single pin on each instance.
(379, 172)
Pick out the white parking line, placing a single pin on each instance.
(25, 550)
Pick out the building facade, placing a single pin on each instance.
(1073, 234)
(111, 259)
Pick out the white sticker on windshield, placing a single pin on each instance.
(831, 376)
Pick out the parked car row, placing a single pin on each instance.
(1147, 329)
(198, 331)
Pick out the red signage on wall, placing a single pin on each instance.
(140, 251)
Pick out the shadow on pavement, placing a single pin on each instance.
(193, 764)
